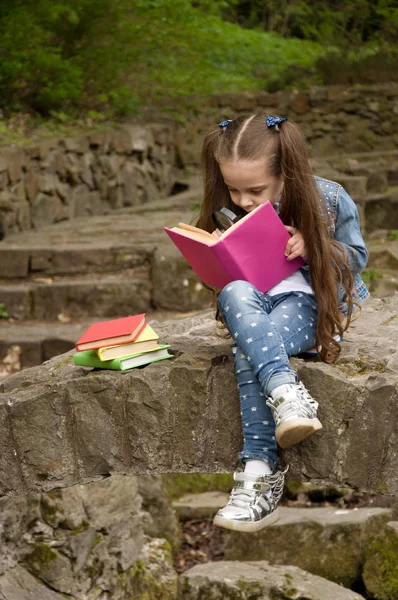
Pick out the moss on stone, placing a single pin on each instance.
(251, 589)
(166, 547)
(389, 320)
(380, 572)
(360, 366)
(383, 488)
(343, 557)
(142, 584)
(292, 488)
(290, 592)
(82, 527)
(96, 541)
(176, 485)
(50, 513)
(40, 556)
(61, 363)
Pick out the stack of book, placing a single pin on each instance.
(120, 344)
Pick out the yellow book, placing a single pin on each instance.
(145, 342)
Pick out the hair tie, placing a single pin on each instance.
(224, 124)
(275, 122)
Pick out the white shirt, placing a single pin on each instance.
(295, 282)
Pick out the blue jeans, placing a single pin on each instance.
(267, 330)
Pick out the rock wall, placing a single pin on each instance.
(93, 174)
(333, 119)
(88, 543)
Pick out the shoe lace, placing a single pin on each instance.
(242, 498)
(305, 394)
(302, 402)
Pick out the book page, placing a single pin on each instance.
(194, 229)
(196, 234)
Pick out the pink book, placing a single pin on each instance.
(252, 250)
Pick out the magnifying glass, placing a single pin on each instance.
(224, 217)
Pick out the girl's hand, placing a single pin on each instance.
(295, 246)
(216, 233)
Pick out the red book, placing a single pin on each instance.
(111, 333)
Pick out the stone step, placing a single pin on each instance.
(47, 261)
(381, 273)
(128, 238)
(360, 173)
(344, 535)
(24, 345)
(163, 280)
(200, 506)
(233, 580)
(109, 265)
(124, 239)
(102, 295)
(118, 264)
(380, 210)
(383, 253)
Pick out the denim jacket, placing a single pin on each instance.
(346, 231)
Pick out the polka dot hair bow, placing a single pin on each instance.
(275, 122)
(224, 124)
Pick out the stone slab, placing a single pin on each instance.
(17, 300)
(242, 580)
(18, 584)
(381, 210)
(14, 262)
(103, 296)
(182, 415)
(11, 480)
(333, 530)
(199, 506)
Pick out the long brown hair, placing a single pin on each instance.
(301, 205)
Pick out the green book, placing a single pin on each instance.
(89, 358)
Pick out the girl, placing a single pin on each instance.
(246, 162)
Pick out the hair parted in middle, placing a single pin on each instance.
(248, 138)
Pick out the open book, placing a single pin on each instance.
(252, 250)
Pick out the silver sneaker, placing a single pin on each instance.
(294, 412)
(253, 502)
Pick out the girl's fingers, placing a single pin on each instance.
(293, 244)
(295, 249)
(295, 254)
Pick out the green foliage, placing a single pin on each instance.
(3, 311)
(101, 55)
(392, 234)
(65, 58)
(367, 65)
(337, 22)
(370, 274)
